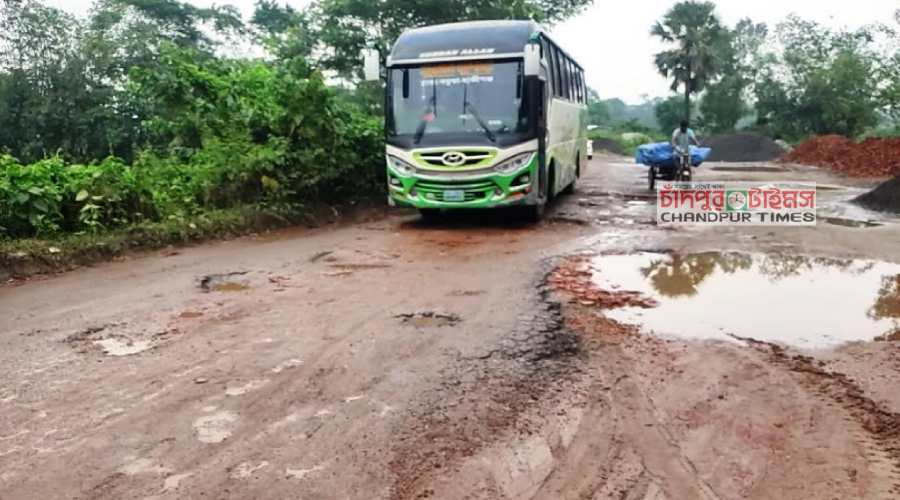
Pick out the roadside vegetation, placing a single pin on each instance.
(156, 121)
(790, 81)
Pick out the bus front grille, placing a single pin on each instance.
(456, 159)
(472, 190)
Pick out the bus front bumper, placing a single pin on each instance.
(481, 192)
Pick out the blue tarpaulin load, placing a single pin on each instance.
(662, 154)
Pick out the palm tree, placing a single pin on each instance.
(698, 36)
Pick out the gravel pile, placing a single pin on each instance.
(884, 198)
(744, 146)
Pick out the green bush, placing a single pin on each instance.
(627, 140)
(224, 134)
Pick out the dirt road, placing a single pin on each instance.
(473, 358)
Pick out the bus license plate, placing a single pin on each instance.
(454, 195)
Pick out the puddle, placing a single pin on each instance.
(803, 301)
(359, 267)
(427, 319)
(115, 346)
(230, 286)
(840, 221)
(302, 473)
(224, 282)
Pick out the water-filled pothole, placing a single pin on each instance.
(804, 301)
(428, 319)
(841, 221)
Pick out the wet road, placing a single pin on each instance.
(472, 358)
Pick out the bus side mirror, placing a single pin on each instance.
(371, 65)
(532, 60)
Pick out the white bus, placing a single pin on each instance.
(481, 115)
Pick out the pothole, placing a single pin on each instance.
(215, 428)
(122, 346)
(115, 339)
(809, 302)
(841, 221)
(427, 319)
(225, 282)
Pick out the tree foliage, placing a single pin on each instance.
(345, 27)
(824, 81)
(669, 113)
(725, 101)
(598, 111)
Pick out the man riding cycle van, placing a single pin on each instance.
(682, 138)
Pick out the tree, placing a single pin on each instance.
(175, 21)
(823, 82)
(669, 113)
(723, 104)
(725, 101)
(283, 30)
(345, 27)
(697, 35)
(598, 111)
(64, 82)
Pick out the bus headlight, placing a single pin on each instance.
(514, 163)
(401, 166)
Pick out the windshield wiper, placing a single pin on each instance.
(487, 130)
(423, 124)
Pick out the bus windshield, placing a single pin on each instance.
(469, 97)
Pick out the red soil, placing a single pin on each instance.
(870, 158)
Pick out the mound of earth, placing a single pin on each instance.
(743, 146)
(874, 157)
(884, 198)
(604, 144)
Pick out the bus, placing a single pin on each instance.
(481, 115)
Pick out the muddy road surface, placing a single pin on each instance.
(592, 356)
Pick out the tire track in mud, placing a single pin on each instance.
(622, 449)
(878, 429)
(482, 396)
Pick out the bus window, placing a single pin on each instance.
(557, 77)
(545, 54)
(575, 84)
(565, 77)
(579, 76)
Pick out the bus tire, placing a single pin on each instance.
(534, 213)
(570, 189)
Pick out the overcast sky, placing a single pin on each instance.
(611, 38)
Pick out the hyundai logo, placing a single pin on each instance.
(453, 158)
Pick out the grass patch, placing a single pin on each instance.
(20, 258)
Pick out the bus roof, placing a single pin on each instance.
(468, 40)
